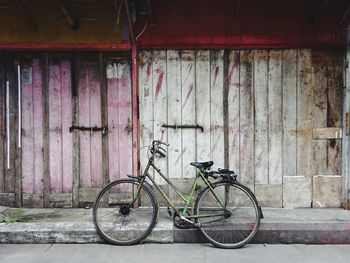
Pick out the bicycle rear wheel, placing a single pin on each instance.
(231, 224)
(121, 219)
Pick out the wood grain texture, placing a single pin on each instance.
(125, 119)
(2, 124)
(289, 111)
(188, 113)
(27, 130)
(304, 112)
(275, 117)
(247, 118)
(55, 127)
(334, 102)
(261, 94)
(159, 75)
(216, 108)
(174, 113)
(319, 120)
(234, 109)
(146, 103)
(38, 126)
(84, 120)
(95, 121)
(203, 104)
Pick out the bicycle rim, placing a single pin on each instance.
(118, 219)
(232, 226)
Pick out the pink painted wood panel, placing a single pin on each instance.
(119, 120)
(60, 119)
(84, 120)
(95, 121)
(28, 185)
(67, 143)
(38, 127)
(55, 127)
(125, 119)
(113, 131)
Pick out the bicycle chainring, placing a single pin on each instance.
(179, 223)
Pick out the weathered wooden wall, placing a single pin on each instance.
(266, 115)
(56, 166)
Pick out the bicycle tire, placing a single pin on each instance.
(237, 224)
(116, 221)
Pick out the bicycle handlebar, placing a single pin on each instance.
(156, 148)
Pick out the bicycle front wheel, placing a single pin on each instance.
(228, 215)
(121, 217)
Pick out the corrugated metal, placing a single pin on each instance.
(275, 99)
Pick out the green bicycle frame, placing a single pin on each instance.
(187, 200)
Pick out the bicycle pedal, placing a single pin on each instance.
(170, 212)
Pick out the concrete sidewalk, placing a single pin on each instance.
(285, 226)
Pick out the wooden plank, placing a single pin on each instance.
(7, 199)
(88, 195)
(216, 108)
(261, 97)
(327, 133)
(345, 140)
(289, 111)
(2, 124)
(84, 120)
(113, 131)
(334, 104)
(247, 118)
(174, 113)
(188, 112)
(46, 132)
(60, 200)
(16, 145)
(124, 119)
(319, 120)
(275, 117)
(95, 121)
(160, 106)
(10, 179)
(33, 200)
(146, 103)
(55, 126)
(326, 191)
(203, 103)
(75, 135)
(67, 140)
(27, 131)
(304, 113)
(38, 127)
(233, 109)
(104, 120)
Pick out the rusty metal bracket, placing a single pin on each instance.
(90, 129)
(184, 127)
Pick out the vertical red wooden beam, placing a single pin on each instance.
(135, 112)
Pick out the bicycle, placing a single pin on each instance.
(226, 212)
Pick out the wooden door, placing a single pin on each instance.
(104, 104)
(10, 182)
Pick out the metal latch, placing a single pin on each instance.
(90, 129)
(184, 127)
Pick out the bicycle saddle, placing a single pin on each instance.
(202, 164)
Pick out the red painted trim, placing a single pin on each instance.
(245, 41)
(66, 47)
(135, 112)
